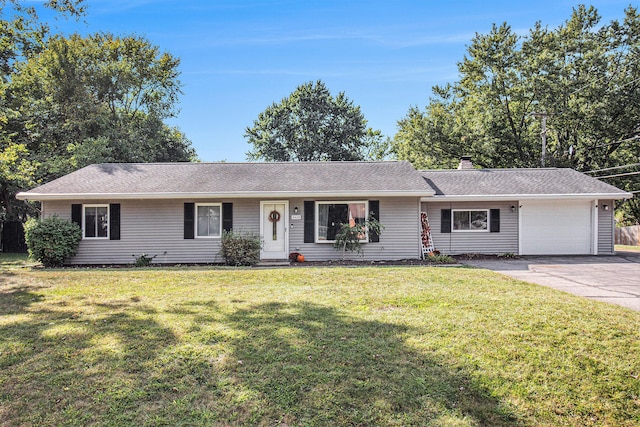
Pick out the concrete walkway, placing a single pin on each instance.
(612, 279)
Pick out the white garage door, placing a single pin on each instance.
(556, 228)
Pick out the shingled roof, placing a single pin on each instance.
(518, 183)
(199, 180)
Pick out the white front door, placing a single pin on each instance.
(274, 230)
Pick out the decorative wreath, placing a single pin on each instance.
(274, 216)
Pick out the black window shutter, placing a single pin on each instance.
(374, 210)
(494, 220)
(309, 221)
(445, 221)
(227, 216)
(114, 221)
(76, 214)
(189, 220)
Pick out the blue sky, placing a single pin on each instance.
(238, 57)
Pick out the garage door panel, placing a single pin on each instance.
(556, 228)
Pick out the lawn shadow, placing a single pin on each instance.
(118, 362)
(78, 365)
(16, 299)
(310, 364)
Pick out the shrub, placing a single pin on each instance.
(348, 237)
(143, 260)
(509, 255)
(441, 259)
(52, 240)
(240, 249)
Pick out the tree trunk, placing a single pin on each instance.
(8, 206)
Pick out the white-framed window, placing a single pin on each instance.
(95, 221)
(208, 220)
(331, 215)
(470, 220)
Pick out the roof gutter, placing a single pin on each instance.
(226, 195)
(509, 197)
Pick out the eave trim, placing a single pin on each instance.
(507, 197)
(230, 195)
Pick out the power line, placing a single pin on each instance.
(592, 83)
(613, 168)
(611, 76)
(633, 138)
(617, 175)
(628, 83)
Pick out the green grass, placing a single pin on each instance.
(627, 248)
(309, 346)
(10, 260)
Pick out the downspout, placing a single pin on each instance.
(594, 228)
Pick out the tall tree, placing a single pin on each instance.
(22, 36)
(582, 78)
(66, 102)
(99, 98)
(311, 124)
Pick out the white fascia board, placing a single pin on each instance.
(509, 197)
(233, 195)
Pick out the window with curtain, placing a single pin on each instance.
(331, 215)
(470, 220)
(96, 222)
(209, 220)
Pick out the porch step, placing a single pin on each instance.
(273, 263)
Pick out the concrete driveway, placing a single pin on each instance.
(612, 279)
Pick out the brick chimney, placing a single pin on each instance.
(465, 163)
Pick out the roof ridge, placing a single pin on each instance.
(493, 169)
(254, 163)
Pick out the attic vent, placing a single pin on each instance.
(465, 163)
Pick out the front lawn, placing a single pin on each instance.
(627, 248)
(315, 346)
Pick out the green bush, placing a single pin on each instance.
(441, 259)
(240, 249)
(143, 260)
(348, 237)
(52, 240)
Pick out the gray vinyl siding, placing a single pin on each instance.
(400, 238)
(506, 241)
(606, 227)
(156, 227)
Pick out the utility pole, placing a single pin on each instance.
(543, 134)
